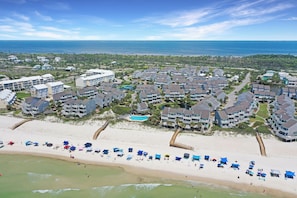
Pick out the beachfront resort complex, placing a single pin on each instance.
(200, 95)
(197, 113)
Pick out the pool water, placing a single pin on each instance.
(138, 117)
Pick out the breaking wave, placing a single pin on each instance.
(57, 191)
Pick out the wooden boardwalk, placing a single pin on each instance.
(261, 144)
(97, 133)
(178, 145)
(20, 123)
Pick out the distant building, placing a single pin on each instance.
(25, 83)
(238, 113)
(70, 68)
(89, 92)
(34, 106)
(94, 77)
(78, 108)
(36, 67)
(39, 91)
(47, 66)
(62, 97)
(195, 119)
(55, 87)
(7, 97)
(283, 121)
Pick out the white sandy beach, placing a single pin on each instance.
(241, 149)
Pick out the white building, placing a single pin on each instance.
(7, 97)
(39, 91)
(93, 77)
(25, 83)
(54, 88)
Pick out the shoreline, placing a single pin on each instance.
(166, 175)
(127, 135)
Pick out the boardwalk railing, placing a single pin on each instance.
(261, 144)
(20, 123)
(97, 133)
(178, 145)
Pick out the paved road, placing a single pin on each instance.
(232, 96)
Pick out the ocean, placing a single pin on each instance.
(31, 176)
(174, 48)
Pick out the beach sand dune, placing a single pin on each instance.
(239, 149)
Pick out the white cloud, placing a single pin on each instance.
(291, 19)
(7, 28)
(215, 20)
(43, 35)
(49, 28)
(22, 17)
(257, 8)
(7, 36)
(16, 1)
(43, 17)
(58, 6)
(205, 32)
(23, 26)
(178, 19)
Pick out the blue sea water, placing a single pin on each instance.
(180, 48)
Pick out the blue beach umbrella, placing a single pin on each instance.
(72, 148)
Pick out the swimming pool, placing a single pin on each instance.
(138, 117)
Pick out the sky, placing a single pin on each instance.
(148, 20)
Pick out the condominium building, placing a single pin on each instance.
(238, 113)
(282, 121)
(198, 119)
(55, 87)
(34, 106)
(39, 91)
(78, 108)
(7, 97)
(25, 83)
(94, 77)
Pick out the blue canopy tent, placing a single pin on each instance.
(263, 175)
(139, 153)
(206, 157)
(196, 157)
(88, 144)
(116, 149)
(290, 174)
(157, 156)
(235, 166)
(249, 172)
(120, 154)
(274, 173)
(35, 143)
(28, 143)
(145, 154)
(72, 148)
(105, 151)
(224, 160)
(150, 157)
(186, 155)
(220, 165)
(65, 142)
(129, 157)
(178, 158)
(130, 150)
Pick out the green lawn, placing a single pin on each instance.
(263, 112)
(22, 95)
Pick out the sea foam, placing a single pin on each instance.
(56, 191)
